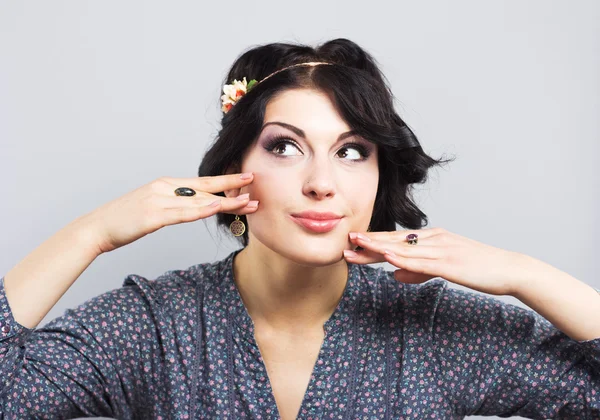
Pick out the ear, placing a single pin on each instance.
(232, 169)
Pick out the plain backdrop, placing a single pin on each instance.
(98, 98)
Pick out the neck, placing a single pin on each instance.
(283, 295)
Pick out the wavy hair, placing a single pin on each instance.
(362, 96)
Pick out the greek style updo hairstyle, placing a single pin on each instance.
(361, 95)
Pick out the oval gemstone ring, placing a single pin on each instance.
(185, 192)
(412, 238)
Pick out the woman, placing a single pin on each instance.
(312, 171)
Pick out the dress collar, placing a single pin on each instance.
(341, 316)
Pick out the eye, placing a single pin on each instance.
(360, 152)
(280, 145)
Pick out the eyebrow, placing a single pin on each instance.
(301, 133)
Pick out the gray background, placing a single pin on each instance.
(99, 98)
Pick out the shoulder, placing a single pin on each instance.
(437, 295)
(177, 287)
(396, 294)
(461, 309)
(172, 285)
(443, 309)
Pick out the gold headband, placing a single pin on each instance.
(310, 64)
(234, 91)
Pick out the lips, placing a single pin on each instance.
(317, 215)
(317, 222)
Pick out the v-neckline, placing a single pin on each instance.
(342, 316)
(315, 373)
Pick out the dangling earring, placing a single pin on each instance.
(237, 227)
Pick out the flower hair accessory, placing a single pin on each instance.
(234, 91)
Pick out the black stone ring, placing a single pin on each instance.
(185, 192)
(412, 238)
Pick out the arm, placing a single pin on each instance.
(67, 368)
(36, 283)
(569, 304)
(90, 362)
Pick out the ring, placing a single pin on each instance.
(412, 238)
(185, 192)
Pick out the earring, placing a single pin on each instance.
(237, 227)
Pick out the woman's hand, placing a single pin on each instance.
(440, 253)
(155, 205)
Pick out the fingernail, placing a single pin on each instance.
(242, 197)
(246, 175)
(253, 203)
(350, 254)
(363, 237)
(352, 235)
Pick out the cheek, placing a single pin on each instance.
(271, 187)
(362, 192)
(363, 184)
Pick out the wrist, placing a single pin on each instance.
(534, 274)
(83, 233)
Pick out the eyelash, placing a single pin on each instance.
(282, 139)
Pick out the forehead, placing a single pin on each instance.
(308, 109)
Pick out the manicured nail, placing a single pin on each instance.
(242, 197)
(350, 254)
(363, 237)
(253, 203)
(352, 235)
(246, 175)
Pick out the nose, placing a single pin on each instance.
(320, 180)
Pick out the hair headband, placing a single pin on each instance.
(234, 91)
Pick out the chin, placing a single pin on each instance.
(314, 255)
(312, 251)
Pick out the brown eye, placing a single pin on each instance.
(282, 146)
(358, 153)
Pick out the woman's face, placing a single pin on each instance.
(303, 161)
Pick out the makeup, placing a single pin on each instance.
(274, 141)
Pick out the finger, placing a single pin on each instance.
(227, 204)
(404, 250)
(400, 235)
(423, 266)
(363, 256)
(239, 209)
(211, 184)
(251, 207)
(190, 213)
